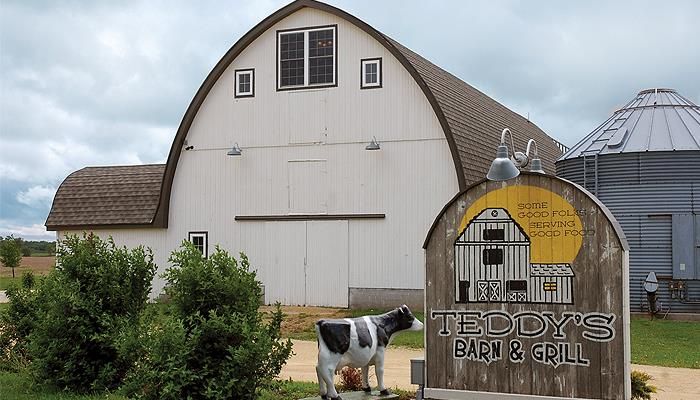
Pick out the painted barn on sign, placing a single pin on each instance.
(526, 295)
(317, 145)
(492, 264)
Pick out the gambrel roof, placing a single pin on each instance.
(472, 123)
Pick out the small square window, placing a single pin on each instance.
(492, 256)
(549, 286)
(370, 73)
(244, 85)
(494, 234)
(200, 240)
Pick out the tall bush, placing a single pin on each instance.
(17, 323)
(214, 344)
(95, 290)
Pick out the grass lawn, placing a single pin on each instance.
(5, 281)
(665, 343)
(15, 386)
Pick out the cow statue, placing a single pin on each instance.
(358, 343)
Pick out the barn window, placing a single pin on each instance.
(494, 234)
(200, 241)
(306, 57)
(371, 73)
(549, 286)
(245, 83)
(492, 256)
(516, 286)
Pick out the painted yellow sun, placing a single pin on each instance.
(552, 224)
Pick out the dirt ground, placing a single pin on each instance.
(673, 383)
(38, 265)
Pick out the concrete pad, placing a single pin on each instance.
(359, 396)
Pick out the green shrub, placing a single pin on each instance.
(214, 344)
(17, 322)
(641, 389)
(95, 291)
(28, 280)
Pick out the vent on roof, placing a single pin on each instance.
(618, 138)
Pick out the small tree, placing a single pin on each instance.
(11, 253)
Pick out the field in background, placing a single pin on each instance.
(38, 265)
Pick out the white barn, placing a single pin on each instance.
(324, 219)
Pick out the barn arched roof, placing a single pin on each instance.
(471, 120)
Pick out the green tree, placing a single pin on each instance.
(11, 252)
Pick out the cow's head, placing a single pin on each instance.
(406, 320)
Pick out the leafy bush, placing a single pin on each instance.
(17, 323)
(214, 344)
(641, 389)
(81, 307)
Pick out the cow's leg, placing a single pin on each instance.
(322, 389)
(379, 370)
(365, 379)
(326, 370)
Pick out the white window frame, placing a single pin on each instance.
(363, 73)
(203, 235)
(236, 87)
(306, 31)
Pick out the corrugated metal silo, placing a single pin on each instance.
(644, 163)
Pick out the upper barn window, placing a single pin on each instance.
(371, 73)
(244, 83)
(306, 57)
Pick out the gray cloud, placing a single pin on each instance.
(100, 83)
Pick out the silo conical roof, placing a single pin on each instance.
(655, 120)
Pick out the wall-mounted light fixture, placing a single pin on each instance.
(235, 151)
(504, 167)
(188, 147)
(373, 145)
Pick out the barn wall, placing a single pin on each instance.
(643, 191)
(314, 139)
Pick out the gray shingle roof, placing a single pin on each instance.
(94, 196)
(551, 270)
(476, 120)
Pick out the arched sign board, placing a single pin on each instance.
(526, 295)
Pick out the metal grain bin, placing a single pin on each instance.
(644, 163)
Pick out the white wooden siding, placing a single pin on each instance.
(409, 179)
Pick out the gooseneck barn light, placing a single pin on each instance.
(373, 145)
(235, 151)
(504, 167)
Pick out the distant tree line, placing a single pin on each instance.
(42, 247)
(31, 247)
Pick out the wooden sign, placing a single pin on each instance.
(526, 294)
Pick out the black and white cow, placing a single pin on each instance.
(358, 343)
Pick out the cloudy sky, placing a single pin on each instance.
(103, 83)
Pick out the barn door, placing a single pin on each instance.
(286, 256)
(327, 263)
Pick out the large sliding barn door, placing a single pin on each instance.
(327, 263)
(308, 263)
